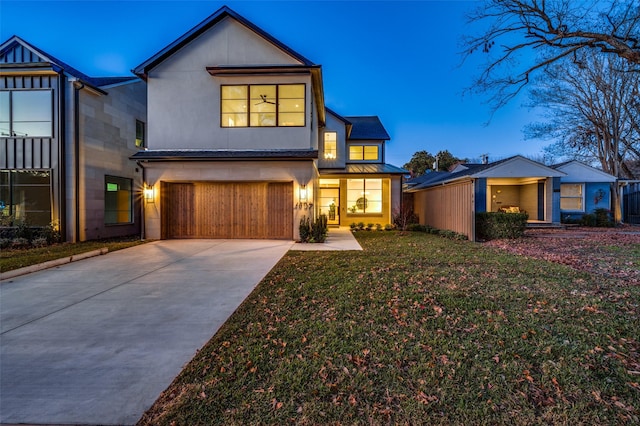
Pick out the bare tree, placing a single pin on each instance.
(590, 104)
(524, 37)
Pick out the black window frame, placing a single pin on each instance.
(277, 105)
(12, 132)
(141, 125)
(131, 206)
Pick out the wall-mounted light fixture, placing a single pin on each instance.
(149, 194)
(303, 194)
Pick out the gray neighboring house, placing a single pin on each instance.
(65, 143)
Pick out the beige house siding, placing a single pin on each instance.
(447, 207)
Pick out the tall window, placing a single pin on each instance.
(25, 195)
(26, 113)
(262, 105)
(364, 195)
(330, 145)
(572, 196)
(363, 152)
(118, 204)
(140, 135)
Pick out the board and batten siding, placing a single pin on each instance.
(31, 152)
(447, 207)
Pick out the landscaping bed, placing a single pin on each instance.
(418, 329)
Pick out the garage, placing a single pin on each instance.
(257, 210)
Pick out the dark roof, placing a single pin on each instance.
(369, 127)
(427, 177)
(223, 154)
(364, 169)
(60, 66)
(142, 69)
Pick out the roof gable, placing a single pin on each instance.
(367, 128)
(513, 167)
(579, 172)
(16, 51)
(224, 12)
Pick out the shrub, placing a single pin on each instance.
(497, 225)
(360, 226)
(404, 217)
(353, 226)
(388, 227)
(369, 226)
(5, 243)
(416, 227)
(50, 233)
(378, 227)
(313, 232)
(603, 218)
(19, 243)
(305, 229)
(39, 242)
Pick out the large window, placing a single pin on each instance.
(25, 195)
(263, 105)
(364, 196)
(572, 197)
(118, 205)
(330, 145)
(363, 152)
(26, 113)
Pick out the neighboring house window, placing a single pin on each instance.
(262, 105)
(572, 197)
(330, 145)
(25, 196)
(118, 205)
(363, 152)
(26, 113)
(364, 195)
(140, 135)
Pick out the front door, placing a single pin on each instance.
(329, 204)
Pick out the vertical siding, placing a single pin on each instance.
(29, 152)
(447, 207)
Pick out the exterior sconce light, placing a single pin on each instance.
(303, 194)
(149, 194)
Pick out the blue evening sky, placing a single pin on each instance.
(398, 60)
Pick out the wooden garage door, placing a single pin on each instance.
(261, 210)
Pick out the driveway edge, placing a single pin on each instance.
(52, 263)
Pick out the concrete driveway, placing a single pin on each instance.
(96, 341)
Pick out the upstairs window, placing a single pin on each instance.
(572, 197)
(262, 105)
(140, 135)
(330, 145)
(363, 152)
(26, 113)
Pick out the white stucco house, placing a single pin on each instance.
(241, 145)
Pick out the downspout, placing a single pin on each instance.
(142, 201)
(76, 152)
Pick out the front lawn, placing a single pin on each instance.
(417, 329)
(14, 259)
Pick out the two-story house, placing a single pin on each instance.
(65, 139)
(242, 146)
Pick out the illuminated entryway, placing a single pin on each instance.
(329, 200)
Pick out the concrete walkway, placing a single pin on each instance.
(97, 341)
(337, 239)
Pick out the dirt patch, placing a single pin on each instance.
(612, 253)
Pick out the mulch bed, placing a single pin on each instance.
(609, 252)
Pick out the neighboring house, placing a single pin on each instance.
(450, 200)
(583, 189)
(65, 139)
(242, 146)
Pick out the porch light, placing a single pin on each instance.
(303, 194)
(148, 193)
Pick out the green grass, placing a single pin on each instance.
(417, 329)
(14, 259)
